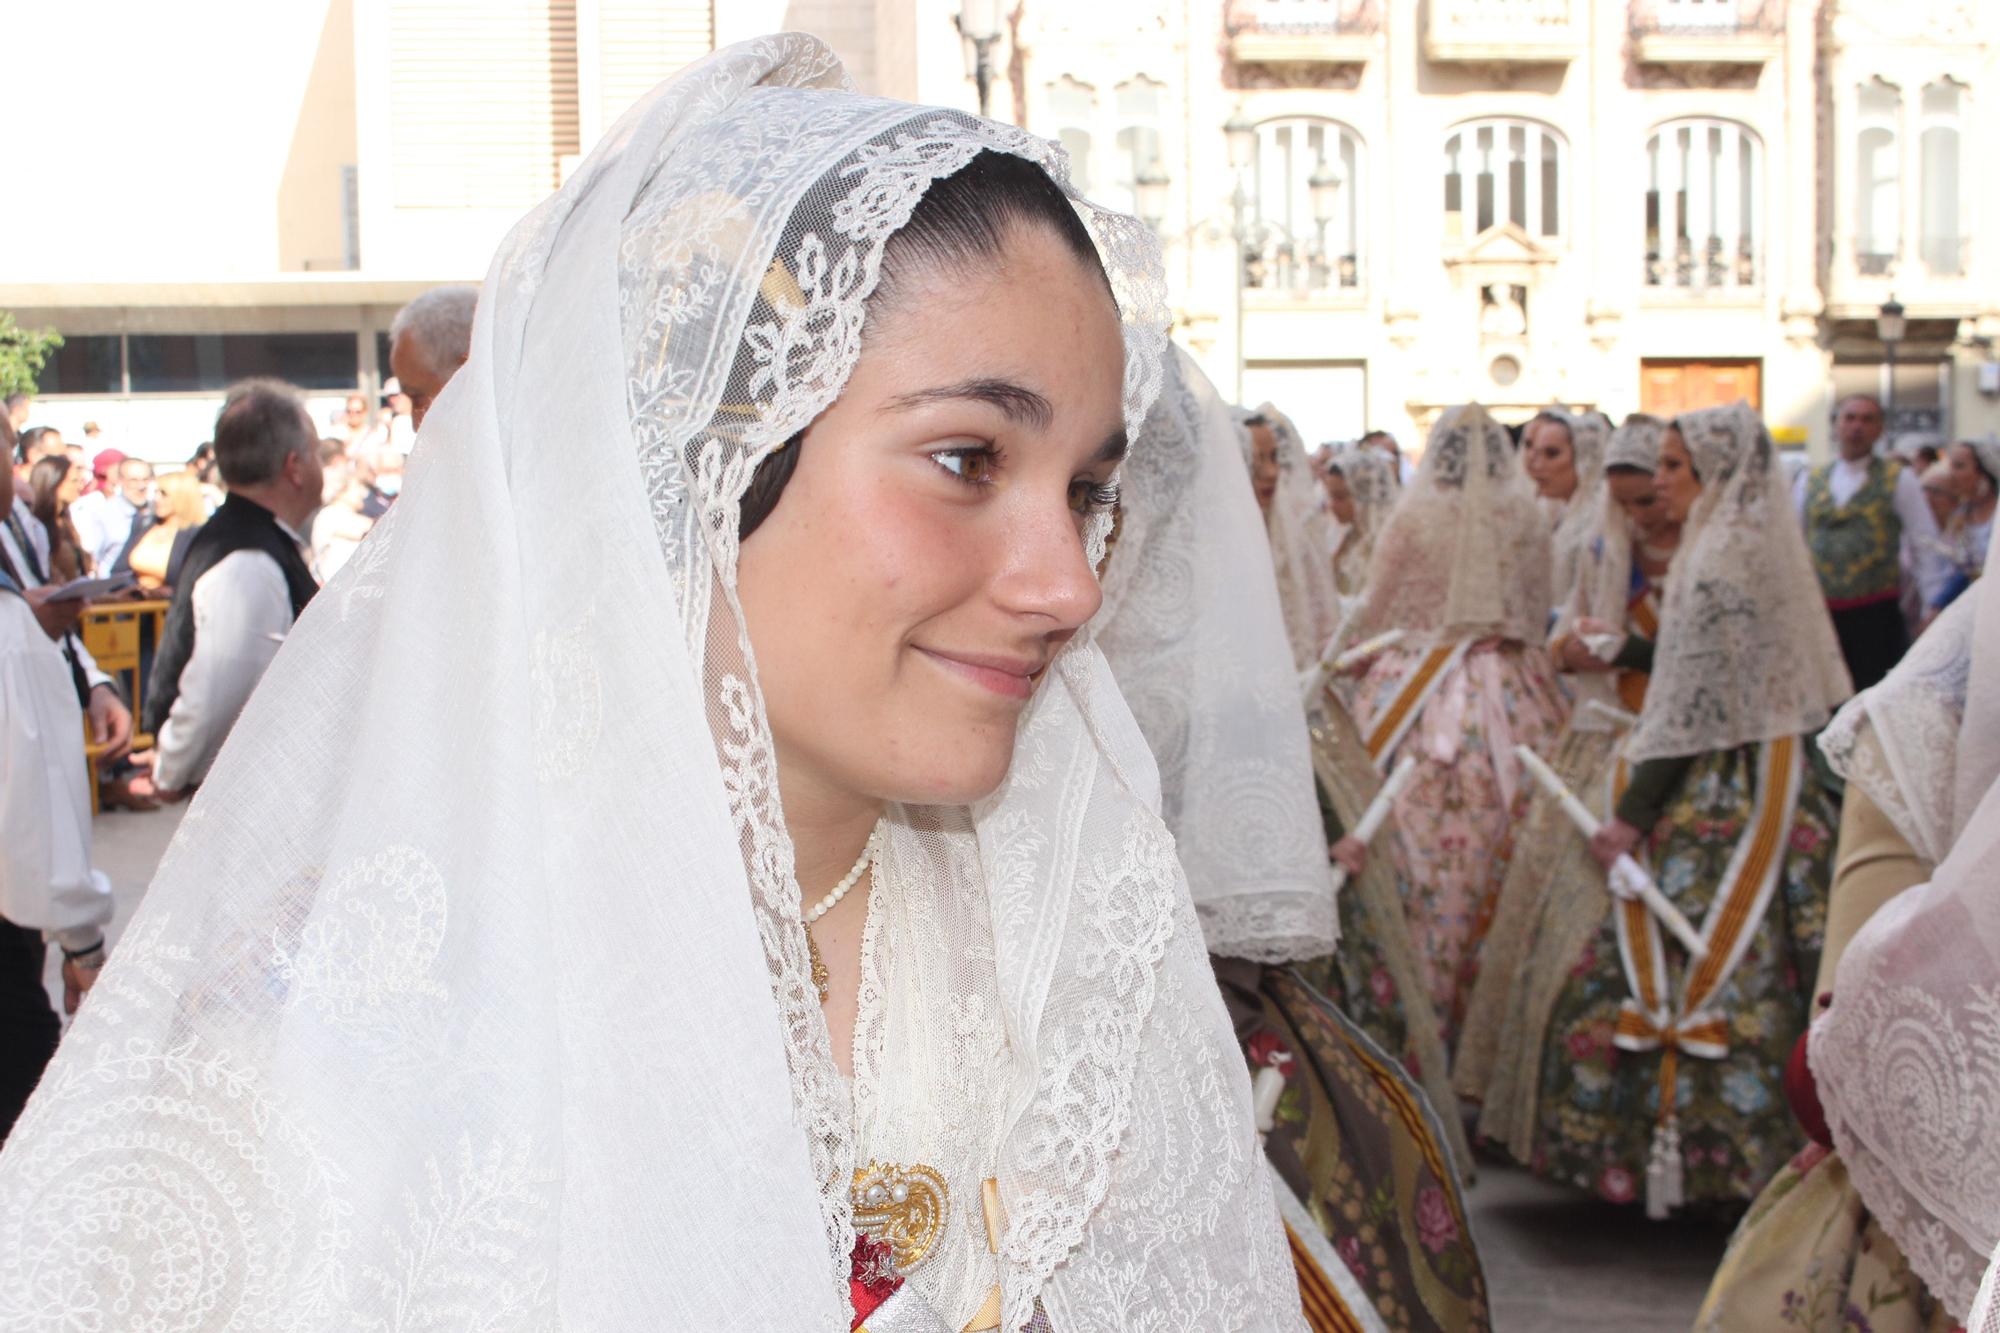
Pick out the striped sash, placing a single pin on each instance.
(1419, 683)
(1690, 1026)
(1331, 1295)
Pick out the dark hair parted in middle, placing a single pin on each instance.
(963, 218)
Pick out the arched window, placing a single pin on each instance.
(1499, 171)
(1141, 104)
(1878, 186)
(1072, 111)
(1939, 223)
(1704, 196)
(1292, 247)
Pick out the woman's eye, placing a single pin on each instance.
(973, 466)
(1088, 497)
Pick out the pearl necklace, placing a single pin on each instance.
(869, 851)
(850, 879)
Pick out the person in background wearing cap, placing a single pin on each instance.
(395, 428)
(117, 507)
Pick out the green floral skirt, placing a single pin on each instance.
(1599, 1103)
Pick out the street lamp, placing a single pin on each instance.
(1239, 135)
(979, 25)
(1890, 326)
(1325, 183)
(1324, 187)
(1149, 194)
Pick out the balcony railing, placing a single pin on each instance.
(1497, 31)
(1707, 32)
(1720, 267)
(1280, 264)
(1302, 31)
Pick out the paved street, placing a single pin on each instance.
(1557, 1262)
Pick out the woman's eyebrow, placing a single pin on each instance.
(1018, 402)
(1114, 448)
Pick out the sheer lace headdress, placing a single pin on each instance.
(1908, 1058)
(1588, 435)
(1603, 585)
(1899, 740)
(1986, 448)
(473, 993)
(1746, 651)
(1465, 553)
(1301, 551)
(1193, 632)
(1371, 479)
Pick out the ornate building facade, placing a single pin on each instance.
(1620, 203)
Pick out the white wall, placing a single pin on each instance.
(150, 139)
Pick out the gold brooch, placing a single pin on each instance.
(902, 1207)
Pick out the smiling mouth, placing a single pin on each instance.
(1009, 678)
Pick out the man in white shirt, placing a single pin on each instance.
(244, 582)
(47, 885)
(105, 518)
(1861, 513)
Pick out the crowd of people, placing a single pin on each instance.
(222, 541)
(1046, 847)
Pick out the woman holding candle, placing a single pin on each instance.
(1827, 1238)
(1554, 900)
(1659, 1074)
(1462, 569)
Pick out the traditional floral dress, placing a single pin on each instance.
(1363, 1157)
(1600, 1103)
(1453, 830)
(1817, 1261)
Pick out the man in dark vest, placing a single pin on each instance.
(244, 583)
(1861, 513)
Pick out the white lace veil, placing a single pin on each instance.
(1371, 479)
(1301, 551)
(1602, 588)
(1465, 553)
(472, 992)
(1192, 630)
(1746, 652)
(1908, 1058)
(1588, 433)
(1899, 739)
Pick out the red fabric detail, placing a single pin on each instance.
(871, 1277)
(1268, 1048)
(1802, 1091)
(1873, 599)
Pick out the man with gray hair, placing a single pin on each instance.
(243, 584)
(429, 340)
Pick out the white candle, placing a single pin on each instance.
(1361, 652)
(1610, 713)
(1634, 879)
(1377, 813)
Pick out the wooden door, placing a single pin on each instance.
(1667, 388)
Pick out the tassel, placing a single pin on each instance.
(1657, 1206)
(1676, 1181)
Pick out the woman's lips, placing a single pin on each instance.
(1008, 677)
